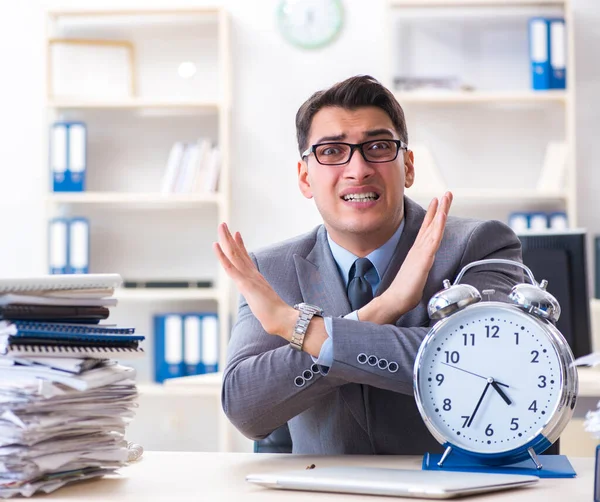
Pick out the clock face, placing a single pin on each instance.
(490, 379)
(310, 23)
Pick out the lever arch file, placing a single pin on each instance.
(68, 156)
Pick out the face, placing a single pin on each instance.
(352, 221)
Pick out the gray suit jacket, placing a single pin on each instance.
(357, 407)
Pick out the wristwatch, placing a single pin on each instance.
(307, 312)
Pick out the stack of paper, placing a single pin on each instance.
(64, 403)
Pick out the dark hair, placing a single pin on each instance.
(352, 93)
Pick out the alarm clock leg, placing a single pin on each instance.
(445, 456)
(535, 458)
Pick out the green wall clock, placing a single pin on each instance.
(310, 24)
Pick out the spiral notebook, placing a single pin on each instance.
(35, 338)
(59, 282)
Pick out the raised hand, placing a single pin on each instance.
(406, 290)
(271, 311)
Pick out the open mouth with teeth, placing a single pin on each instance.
(360, 197)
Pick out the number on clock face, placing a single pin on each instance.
(489, 380)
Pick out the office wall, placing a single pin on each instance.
(271, 80)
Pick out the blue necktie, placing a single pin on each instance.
(360, 291)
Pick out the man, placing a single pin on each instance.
(343, 380)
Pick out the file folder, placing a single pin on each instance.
(210, 343)
(68, 156)
(79, 245)
(192, 344)
(539, 53)
(168, 347)
(58, 155)
(558, 54)
(58, 237)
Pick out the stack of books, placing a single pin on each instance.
(65, 400)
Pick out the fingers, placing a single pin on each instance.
(233, 249)
(225, 262)
(431, 212)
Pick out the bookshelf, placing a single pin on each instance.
(489, 140)
(134, 228)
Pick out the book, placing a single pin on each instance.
(50, 313)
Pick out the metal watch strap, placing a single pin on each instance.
(306, 313)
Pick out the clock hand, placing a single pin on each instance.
(469, 372)
(496, 386)
(487, 385)
(474, 374)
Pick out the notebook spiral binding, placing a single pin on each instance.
(71, 328)
(72, 351)
(59, 282)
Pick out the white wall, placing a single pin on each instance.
(271, 80)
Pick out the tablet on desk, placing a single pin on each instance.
(391, 482)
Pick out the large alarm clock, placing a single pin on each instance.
(495, 381)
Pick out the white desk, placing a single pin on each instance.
(212, 477)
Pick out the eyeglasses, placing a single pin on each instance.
(336, 154)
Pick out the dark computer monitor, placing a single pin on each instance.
(560, 258)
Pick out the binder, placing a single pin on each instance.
(538, 221)
(558, 53)
(192, 344)
(68, 156)
(210, 343)
(79, 245)
(168, 347)
(58, 155)
(539, 53)
(58, 246)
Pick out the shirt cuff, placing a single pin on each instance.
(325, 359)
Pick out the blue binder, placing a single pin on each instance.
(210, 343)
(539, 53)
(558, 53)
(192, 344)
(168, 347)
(58, 246)
(79, 246)
(68, 156)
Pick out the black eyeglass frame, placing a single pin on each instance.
(400, 145)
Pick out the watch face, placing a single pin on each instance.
(310, 23)
(489, 378)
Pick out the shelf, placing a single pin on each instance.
(210, 380)
(133, 12)
(167, 294)
(589, 382)
(173, 200)
(202, 385)
(478, 3)
(491, 195)
(135, 103)
(481, 97)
